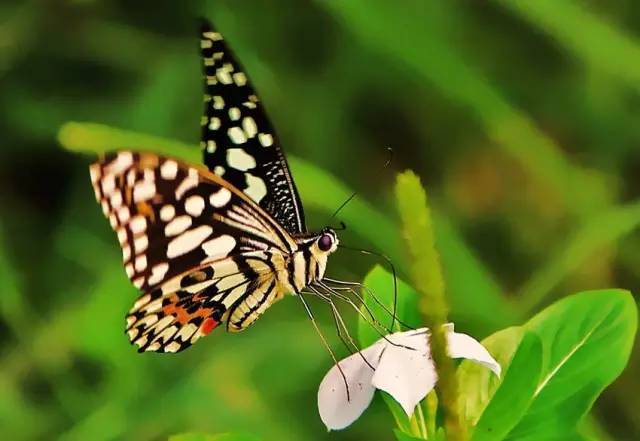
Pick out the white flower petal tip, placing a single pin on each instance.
(337, 410)
(399, 364)
(465, 346)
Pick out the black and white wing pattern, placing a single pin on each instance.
(200, 250)
(238, 140)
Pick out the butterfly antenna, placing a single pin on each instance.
(355, 193)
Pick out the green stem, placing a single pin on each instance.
(427, 277)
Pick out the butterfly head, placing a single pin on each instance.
(327, 241)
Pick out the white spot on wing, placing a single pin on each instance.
(187, 331)
(215, 36)
(224, 74)
(220, 246)
(138, 224)
(256, 189)
(123, 214)
(220, 198)
(158, 272)
(249, 126)
(141, 263)
(219, 170)
(122, 236)
(265, 139)
(123, 161)
(108, 184)
(218, 102)
(236, 135)
(188, 241)
(126, 252)
(187, 183)
(138, 282)
(94, 171)
(240, 160)
(169, 169)
(143, 191)
(178, 225)
(240, 78)
(105, 208)
(194, 205)
(140, 244)
(167, 212)
(234, 114)
(174, 346)
(116, 199)
(214, 123)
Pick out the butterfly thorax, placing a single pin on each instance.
(308, 263)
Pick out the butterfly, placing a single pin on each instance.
(215, 245)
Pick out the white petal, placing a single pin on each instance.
(464, 346)
(407, 373)
(336, 411)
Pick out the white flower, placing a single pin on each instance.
(400, 365)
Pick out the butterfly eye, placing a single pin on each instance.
(325, 242)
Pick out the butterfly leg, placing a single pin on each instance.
(324, 342)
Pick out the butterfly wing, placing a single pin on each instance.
(188, 307)
(195, 245)
(238, 139)
(171, 217)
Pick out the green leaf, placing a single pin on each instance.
(380, 283)
(586, 340)
(478, 384)
(514, 394)
(192, 436)
(556, 366)
(401, 436)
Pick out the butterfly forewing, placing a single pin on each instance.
(238, 140)
(171, 218)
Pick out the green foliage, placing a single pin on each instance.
(556, 366)
(527, 144)
(512, 398)
(205, 437)
(587, 339)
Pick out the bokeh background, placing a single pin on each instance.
(522, 119)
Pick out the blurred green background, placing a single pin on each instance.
(520, 117)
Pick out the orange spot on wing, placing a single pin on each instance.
(146, 210)
(209, 325)
(180, 313)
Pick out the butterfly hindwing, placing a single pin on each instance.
(177, 314)
(239, 141)
(171, 217)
